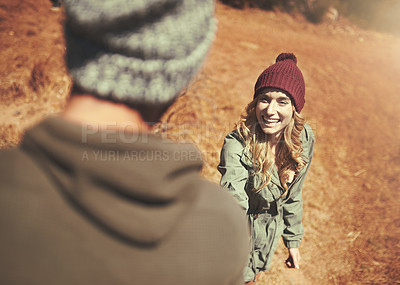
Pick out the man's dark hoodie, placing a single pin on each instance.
(92, 209)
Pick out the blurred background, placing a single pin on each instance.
(380, 15)
(349, 53)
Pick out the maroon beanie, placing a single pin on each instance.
(284, 75)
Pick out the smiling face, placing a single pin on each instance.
(274, 110)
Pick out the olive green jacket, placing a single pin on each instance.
(270, 215)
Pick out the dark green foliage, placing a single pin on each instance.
(317, 11)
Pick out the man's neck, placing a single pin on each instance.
(86, 109)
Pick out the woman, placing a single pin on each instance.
(264, 162)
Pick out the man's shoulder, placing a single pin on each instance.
(213, 199)
(19, 170)
(9, 158)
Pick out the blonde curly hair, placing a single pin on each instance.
(288, 156)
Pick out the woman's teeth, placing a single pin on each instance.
(271, 121)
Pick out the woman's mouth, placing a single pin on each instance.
(270, 122)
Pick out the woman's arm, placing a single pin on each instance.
(293, 207)
(292, 216)
(294, 231)
(234, 173)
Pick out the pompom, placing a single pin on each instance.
(285, 56)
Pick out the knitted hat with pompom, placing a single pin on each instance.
(284, 75)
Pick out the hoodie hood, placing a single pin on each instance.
(134, 186)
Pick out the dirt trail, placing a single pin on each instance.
(352, 216)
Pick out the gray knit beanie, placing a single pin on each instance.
(137, 51)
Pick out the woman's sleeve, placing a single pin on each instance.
(234, 173)
(293, 208)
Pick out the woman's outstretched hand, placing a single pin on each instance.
(293, 261)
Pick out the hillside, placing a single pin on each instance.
(352, 216)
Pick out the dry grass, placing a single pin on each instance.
(33, 80)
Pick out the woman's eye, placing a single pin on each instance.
(284, 102)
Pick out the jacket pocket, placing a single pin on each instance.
(257, 204)
(260, 237)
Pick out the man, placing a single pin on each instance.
(91, 197)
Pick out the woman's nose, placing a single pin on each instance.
(271, 108)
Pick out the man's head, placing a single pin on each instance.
(139, 53)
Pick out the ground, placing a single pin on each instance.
(352, 216)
